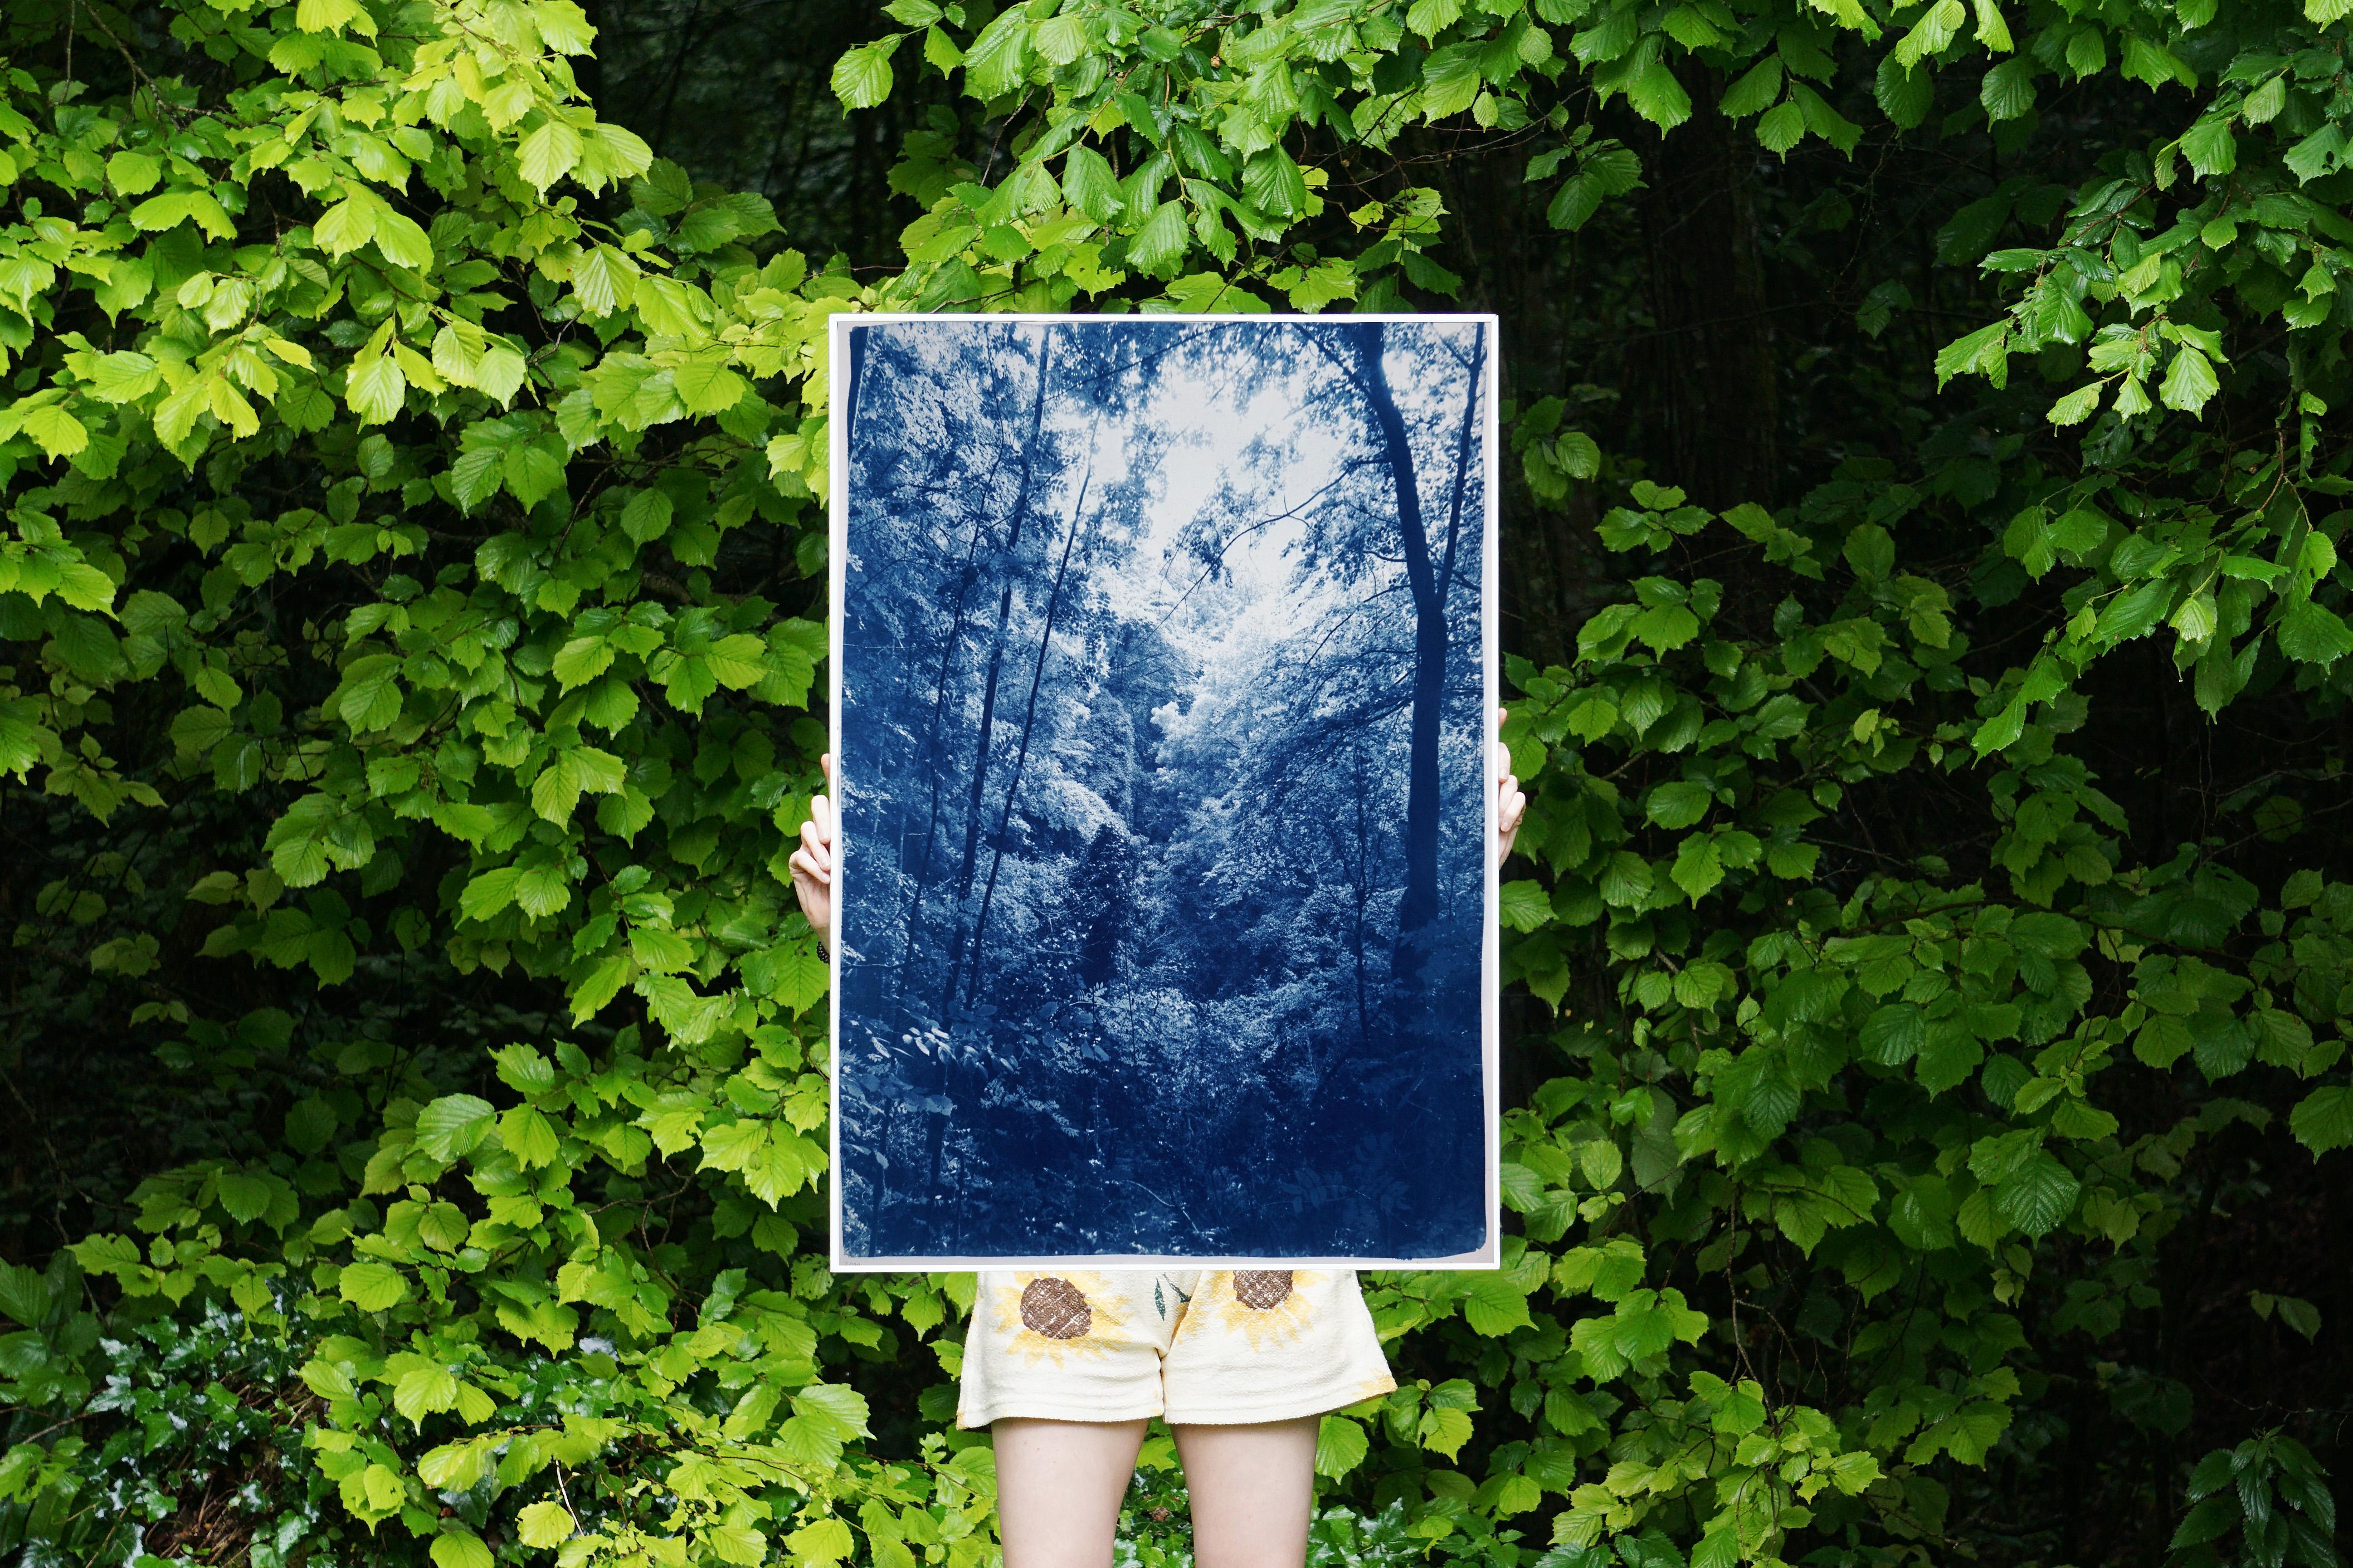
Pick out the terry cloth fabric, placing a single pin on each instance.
(1211, 1347)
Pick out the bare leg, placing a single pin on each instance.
(1253, 1490)
(1059, 1485)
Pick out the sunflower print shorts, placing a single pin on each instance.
(1212, 1347)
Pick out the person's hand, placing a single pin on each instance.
(1510, 804)
(812, 863)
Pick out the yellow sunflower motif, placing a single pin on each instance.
(1052, 1317)
(1265, 1306)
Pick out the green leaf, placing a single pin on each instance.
(450, 1127)
(1783, 126)
(2311, 633)
(371, 1286)
(2077, 405)
(457, 1547)
(1936, 27)
(1432, 18)
(134, 174)
(333, 17)
(2150, 62)
(1678, 805)
(1493, 1306)
(1523, 905)
(1658, 97)
(375, 389)
(1451, 81)
(544, 1524)
(59, 434)
(548, 154)
(1340, 1446)
(999, 57)
(2008, 91)
(350, 223)
(1089, 185)
(2038, 1196)
(174, 208)
(2190, 381)
(1699, 867)
(1276, 184)
(582, 660)
(488, 893)
(1895, 1033)
(530, 1137)
(2210, 148)
(1755, 92)
(1161, 242)
(532, 473)
(425, 1391)
(246, 1198)
(2323, 1120)
(24, 1295)
(708, 387)
(1904, 96)
(1983, 352)
(862, 77)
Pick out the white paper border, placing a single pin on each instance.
(1488, 1256)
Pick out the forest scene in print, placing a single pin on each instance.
(1161, 730)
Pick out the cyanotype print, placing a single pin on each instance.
(1162, 674)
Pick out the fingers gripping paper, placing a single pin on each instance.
(1163, 671)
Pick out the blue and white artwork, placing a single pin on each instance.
(1163, 682)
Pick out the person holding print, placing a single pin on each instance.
(1067, 1367)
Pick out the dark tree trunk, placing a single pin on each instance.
(1364, 892)
(1708, 385)
(923, 868)
(996, 667)
(857, 378)
(1021, 750)
(1102, 892)
(1428, 581)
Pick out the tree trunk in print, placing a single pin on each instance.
(996, 667)
(965, 577)
(1428, 581)
(932, 758)
(1361, 890)
(856, 372)
(1021, 750)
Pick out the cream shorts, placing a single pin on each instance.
(1194, 1346)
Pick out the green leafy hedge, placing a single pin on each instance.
(414, 509)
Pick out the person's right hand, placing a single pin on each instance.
(812, 863)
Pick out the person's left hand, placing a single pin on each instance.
(1510, 804)
(812, 863)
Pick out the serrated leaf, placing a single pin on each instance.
(1161, 242)
(1522, 905)
(548, 154)
(2323, 1120)
(461, 1549)
(1340, 1446)
(2190, 381)
(2038, 1196)
(371, 1286)
(544, 1524)
(862, 77)
(450, 1127)
(2210, 148)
